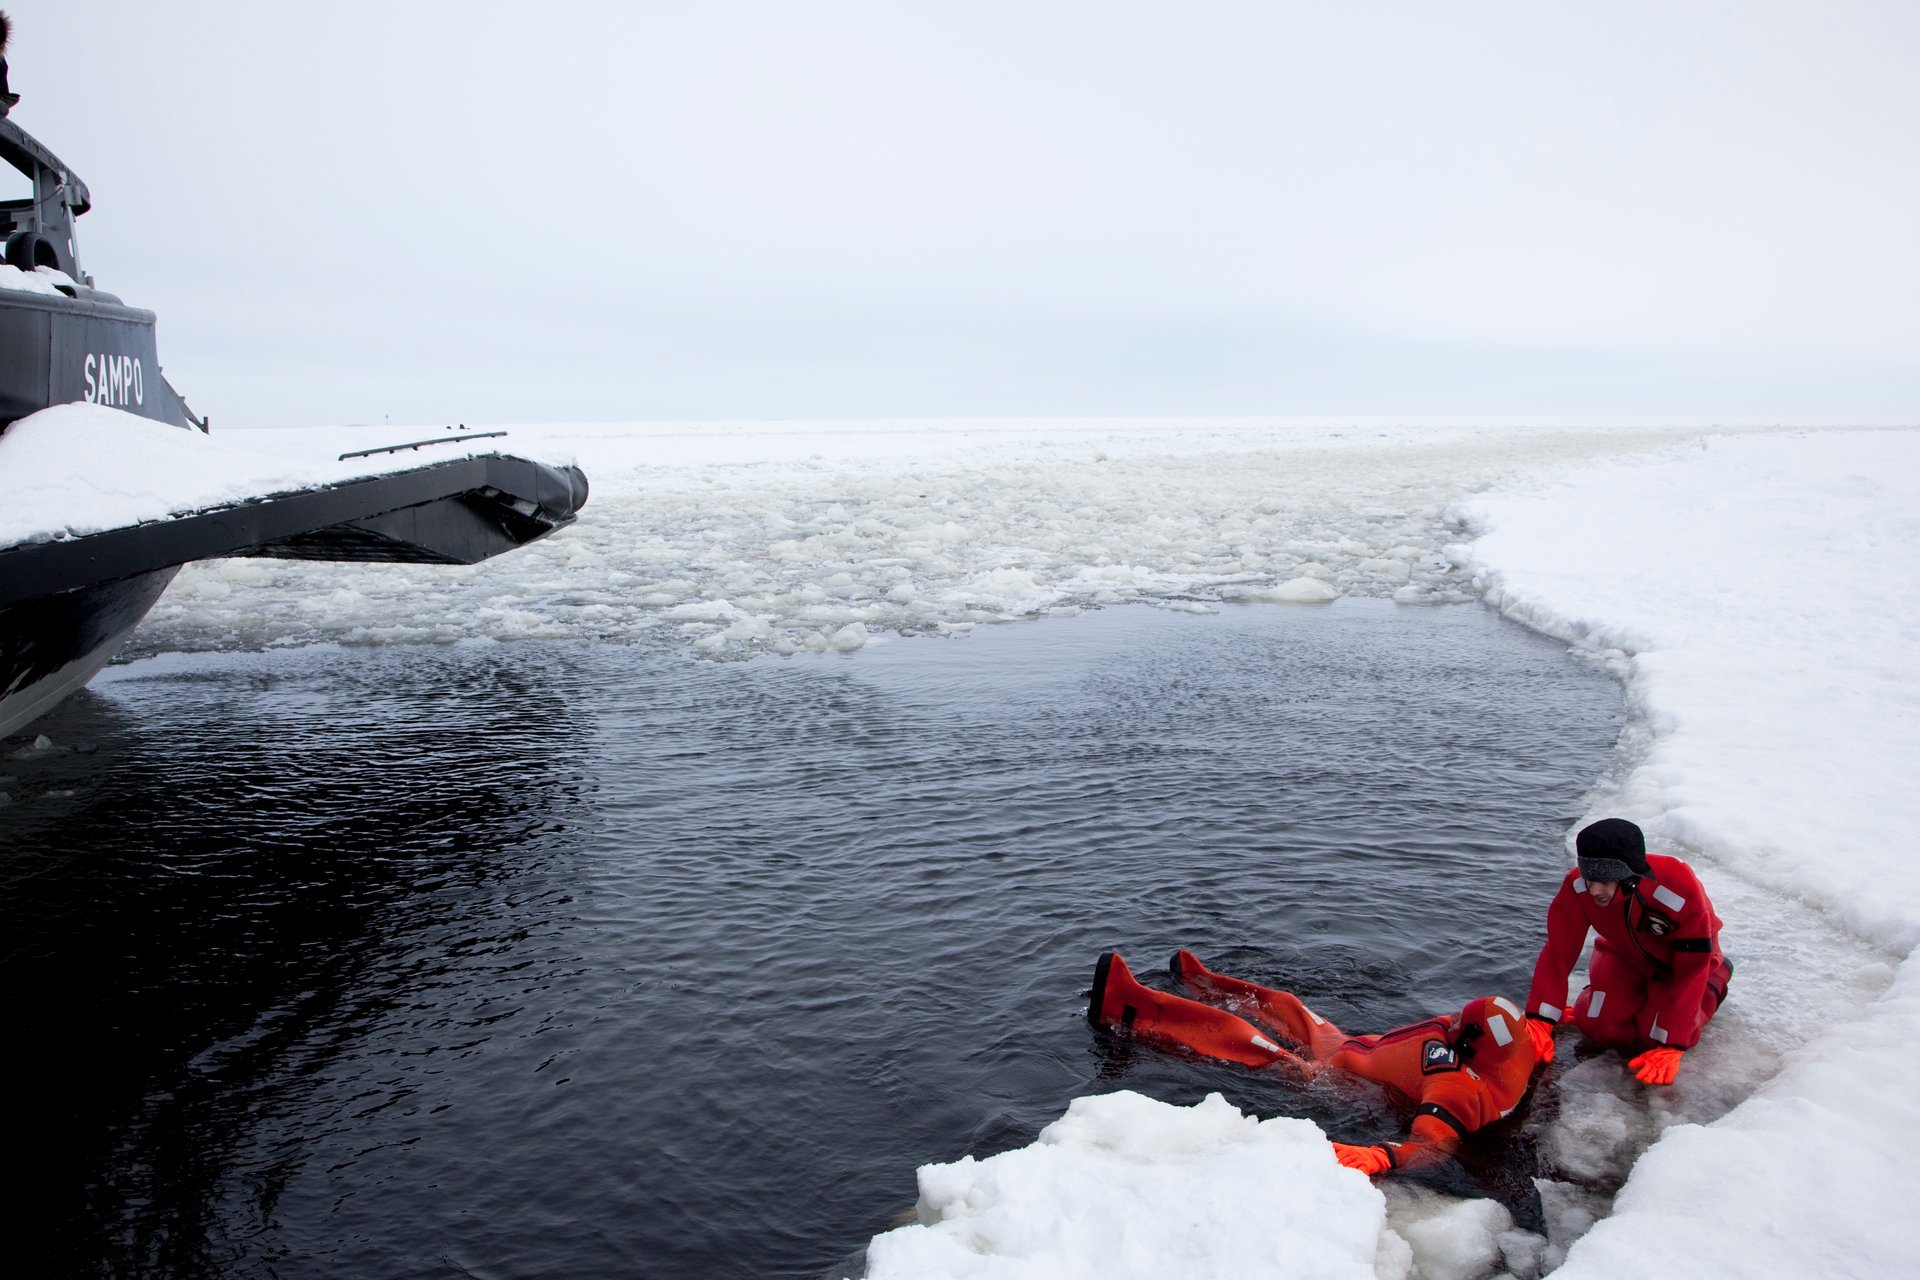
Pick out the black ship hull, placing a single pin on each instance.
(68, 602)
(51, 646)
(58, 350)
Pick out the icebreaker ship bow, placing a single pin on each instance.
(71, 589)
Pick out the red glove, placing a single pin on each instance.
(1656, 1066)
(1540, 1031)
(1368, 1160)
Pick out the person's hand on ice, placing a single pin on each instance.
(1368, 1160)
(1540, 1031)
(1656, 1066)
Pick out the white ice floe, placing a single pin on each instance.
(912, 529)
(1125, 1186)
(1226, 1187)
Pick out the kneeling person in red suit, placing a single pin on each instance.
(1657, 973)
(1464, 1072)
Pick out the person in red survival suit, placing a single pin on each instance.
(1657, 973)
(1464, 1072)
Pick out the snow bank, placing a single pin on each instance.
(1126, 1186)
(1766, 590)
(1760, 595)
(1231, 1192)
(1812, 1177)
(81, 468)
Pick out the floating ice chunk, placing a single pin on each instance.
(1133, 574)
(1602, 1124)
(1383, 567)
(1452, 1239)
(40, 746)
(740, 631)
(1570, 1211)
(704, 611)
(1301, 590)
(848, 638)
(1072, 1205)
(1005, 582)
(1524, 1253)
(242, 570)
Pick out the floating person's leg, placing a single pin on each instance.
(1120, 1002)
(1282, 1009)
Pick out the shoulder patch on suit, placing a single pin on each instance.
(1668, 898)
(1438, 1055)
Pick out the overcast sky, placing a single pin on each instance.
(432, 212)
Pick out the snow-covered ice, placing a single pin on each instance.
(1068, 1205)
(1755, 591)
(1761, 595)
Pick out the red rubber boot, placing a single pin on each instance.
(1120, 1003)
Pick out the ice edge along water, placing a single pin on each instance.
(1754, 594)
(1761, 593)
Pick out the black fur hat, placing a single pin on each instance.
(7, 96)
(1611, 850)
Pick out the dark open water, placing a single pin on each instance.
(556, 960)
